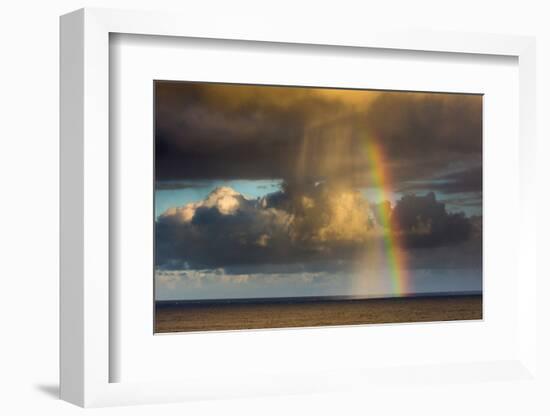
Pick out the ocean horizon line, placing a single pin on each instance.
(297, 299)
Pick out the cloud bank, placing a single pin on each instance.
(311, 224)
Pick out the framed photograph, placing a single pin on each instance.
(270, 212)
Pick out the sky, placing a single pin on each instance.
(265, 191)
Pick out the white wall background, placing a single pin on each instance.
(29, 195)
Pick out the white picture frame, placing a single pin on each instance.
(85, 354)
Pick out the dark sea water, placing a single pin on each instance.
(231, 314)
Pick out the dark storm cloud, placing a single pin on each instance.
(463, 181)
(207, 131)
(466, 200)
(171, 185)
(224, 131)
(426, 133)
(426, 223)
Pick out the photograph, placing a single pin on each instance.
(304, 206)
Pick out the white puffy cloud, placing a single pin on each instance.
(226, 228)
(226, 200)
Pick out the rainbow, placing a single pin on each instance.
(396, 257)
